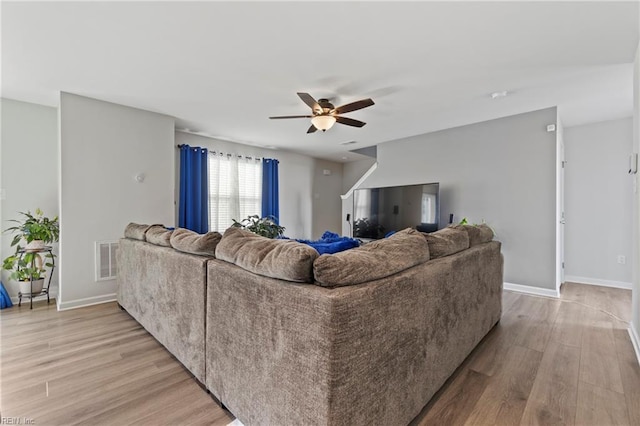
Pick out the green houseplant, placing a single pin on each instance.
(364, 228)
(36, 230)
(21, 269)
(264, 226)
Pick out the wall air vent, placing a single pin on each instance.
(106, 266)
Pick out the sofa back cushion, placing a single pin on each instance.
(478, 234)
(283, 259)
(372, 261)
(136, 231)
(187, 241)
(159, 235)
(447, 241)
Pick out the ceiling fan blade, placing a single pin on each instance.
(308, 99)
(291, 116)
(312, 129)
(354, 106)
(350, 121)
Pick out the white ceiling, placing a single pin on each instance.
(223, 68)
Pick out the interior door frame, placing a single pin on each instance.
(560, 216)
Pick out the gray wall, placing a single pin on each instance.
(326, 197)
(598, 202)
(29, 164)
(103, 147)
(309, 200)
(501, 171)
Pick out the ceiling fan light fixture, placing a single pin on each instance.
(324, 115)
(323, 122)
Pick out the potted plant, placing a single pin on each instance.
(26, 266)
(365, 228)
(264, 226)
(36, 229)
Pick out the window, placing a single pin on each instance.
(235, 189)
(428, 214)
(362, 208)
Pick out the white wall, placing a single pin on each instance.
(309, 201)
(598, 202)
(29, 165)
(103, 146)
(501, 171)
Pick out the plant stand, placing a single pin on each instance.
(31, 295)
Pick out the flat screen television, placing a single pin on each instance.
(379, 211)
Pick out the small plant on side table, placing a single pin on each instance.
(26, 265)
(21, 267)
(35, 228)
(264, 226)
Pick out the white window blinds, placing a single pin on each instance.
(235, 189)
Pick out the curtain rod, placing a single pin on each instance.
(222, 154)
(248, 157)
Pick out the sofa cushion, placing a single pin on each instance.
(478, 234)
(447, 241)
(136, 231)
(159, 235)
(283, 259)
(188, 241)
(372, 261)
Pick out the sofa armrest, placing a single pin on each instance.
(267, 341)
(165, 290)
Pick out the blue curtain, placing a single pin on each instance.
(194, 189)
(270, 200)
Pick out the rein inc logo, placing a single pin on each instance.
(16, 421)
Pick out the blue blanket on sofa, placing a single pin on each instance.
(331, 243)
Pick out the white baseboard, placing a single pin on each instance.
(635, 340)
(597, 281)
(531, 290)
(81, 303)
(52, 295)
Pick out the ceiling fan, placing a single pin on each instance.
(325, 115)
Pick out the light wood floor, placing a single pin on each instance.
(549, 361)
(565, 361)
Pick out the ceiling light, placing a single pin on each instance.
(323, 122)
(496, 95)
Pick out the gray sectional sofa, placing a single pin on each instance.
(283, 336)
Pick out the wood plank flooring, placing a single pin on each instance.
(549, 362)
(566, 361)
(93, 366)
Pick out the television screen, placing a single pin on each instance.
(379, 211)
